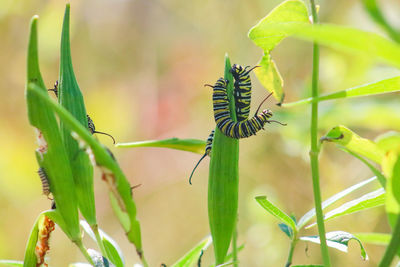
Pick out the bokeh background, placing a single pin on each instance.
(141, 66)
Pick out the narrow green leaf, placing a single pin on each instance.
(223, 183)
(334, 36)
(30, 258)
(193, 255)
(374, 238)
(376, 14)
(378, 174)
(276, 212)
(51, 154)
(311, 213)
(338, 240)
(343, 136)
(70, 97)
(191, 145)
(367, 201)
(381, 87)
(11, 263)
(119, 186)
(308, 265)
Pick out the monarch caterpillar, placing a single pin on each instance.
(91, 126)
(45, 182)
(225, 123)
(206, 153)
(242, 90)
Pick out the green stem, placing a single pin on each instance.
(314, 148)
(234, 249)
(99, 240)
(291, 250)
(82, 248)
(393, 247)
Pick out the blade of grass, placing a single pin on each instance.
(223, 183)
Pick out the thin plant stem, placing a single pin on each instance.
(393, 247)
(291, 250)
(234, 249)
(99, 241)
(82, 248)
(314, 148)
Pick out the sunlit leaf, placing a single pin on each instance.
(374, 238)
(338, 240)
(343, 136)
(311, 214)
(367, 201)
(191, 145)
(11, 263)
(193, 255)
(384, 86)
(276, 212)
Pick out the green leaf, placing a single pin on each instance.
(374, 11)
(30, 258)
(51, 154)
(70, 97)
(113, 251)
(343, 136)
(381, 87)
(378, 174)
(191, 145)
(269, 76)
(118, 184)
(287, 13)
(193, 255)
(286, 229)
(367, 201)
(311, 213)
(374, 238)
(334, 36)
(98, 259)
(11, 263)
(338, 240)
(276, 212)
(223, 183)
(308, 265)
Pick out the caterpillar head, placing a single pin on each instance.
(265, 115)
(236, 70)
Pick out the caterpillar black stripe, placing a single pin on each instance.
(224, 121)
(242, 90)
(206, 153)
(91, 126)
(45, 182)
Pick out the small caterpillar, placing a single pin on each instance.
(91, 126)
(206, 153)
(45, 182)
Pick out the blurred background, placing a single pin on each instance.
(141, 66)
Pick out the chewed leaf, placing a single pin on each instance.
(269, 76)
(191, 145)
(289, 12)
(193, 255)
(338, 240)
(353, 142)
(276, 212)
(310, 214)
(367, 201)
